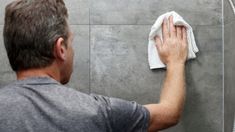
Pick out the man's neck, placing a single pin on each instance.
(43, 72)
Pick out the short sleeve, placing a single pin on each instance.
(124, 116)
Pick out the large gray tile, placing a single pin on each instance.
(78, 11)
(229, 75)
(80, 76)
(229, 40)
(205, 94)
(209, 38)
(196, 12)
(119, 68)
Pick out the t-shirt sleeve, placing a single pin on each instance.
(124, 116)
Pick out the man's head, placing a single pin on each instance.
(36, 34)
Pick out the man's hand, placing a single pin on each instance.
(173, 49)
(173, 52)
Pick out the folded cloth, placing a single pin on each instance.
(156, 30)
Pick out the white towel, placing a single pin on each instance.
(153, 57)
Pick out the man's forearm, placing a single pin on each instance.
(173, 92)
(172, 49)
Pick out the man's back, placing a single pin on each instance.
(42, 104)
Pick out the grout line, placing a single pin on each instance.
(78, 24)
(123, 24)
(112, 24)
(219, 24)
(89, 50)
(223, 109)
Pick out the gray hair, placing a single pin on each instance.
(30, 31)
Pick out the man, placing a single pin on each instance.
(38, 41)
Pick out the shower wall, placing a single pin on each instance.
(229, 73)
(111, 38)
(7, 75)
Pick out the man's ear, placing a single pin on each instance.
(60, 49)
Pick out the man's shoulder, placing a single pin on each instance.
(43, 88)
(47, 95)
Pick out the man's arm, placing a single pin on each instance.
(173, 52)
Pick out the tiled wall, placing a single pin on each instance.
(111, 38)
(229, 64)
(7, 75)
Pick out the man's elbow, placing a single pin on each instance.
(167, 122)
(163, 116)
(173, 119)
(172, 114)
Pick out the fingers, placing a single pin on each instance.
(165, 30)
(179, 32)
(173, 31)
(172, 27)
(158, 42)
(184, 36)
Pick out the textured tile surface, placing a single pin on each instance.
(229, 76)
(209, 38)
(78, 11)
(119, 63)
(2, 10)
(80, 76)
(229, 65)
(7, 75)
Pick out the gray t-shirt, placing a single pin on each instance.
(41, 104)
